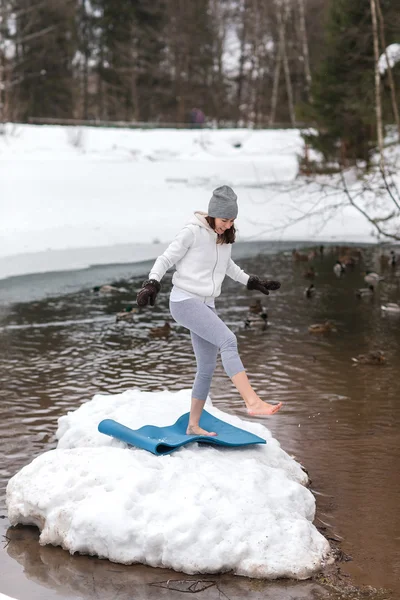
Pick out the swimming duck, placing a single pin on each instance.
(256, 307)
(384, 261)
(126, 314)
(105, 289)
(163, 331)
(298, 257)
(310, 273)
(254, 320)
(365, 292)
(372, 278)
(375, 357)
(391, 307)
(339, 268)
(326, 327)
(310, 291)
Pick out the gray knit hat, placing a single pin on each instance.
(223, 203)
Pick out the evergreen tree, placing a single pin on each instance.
(190, 59)
(44, 49)
(129, 54)
(343, 87)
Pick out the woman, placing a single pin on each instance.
(201, 253)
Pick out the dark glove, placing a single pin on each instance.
(262, 285)
(149, 291)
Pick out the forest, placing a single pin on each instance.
(258, 62)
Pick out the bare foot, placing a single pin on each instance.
(196, 430)
(263, 409)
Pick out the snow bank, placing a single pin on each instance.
(198, 510)
(66, 187)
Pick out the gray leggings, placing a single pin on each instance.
(209, 334)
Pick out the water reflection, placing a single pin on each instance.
(83, 577)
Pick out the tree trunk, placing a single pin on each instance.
(275, 85)
(389, 68)
(85, 66)
(241, 68)
(282, 37)
(2, 59)
(304, 43)
(378, 100)
(100, 85)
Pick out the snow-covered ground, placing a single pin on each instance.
(201, 509)
(63, 188)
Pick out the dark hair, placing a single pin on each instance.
(229, 235)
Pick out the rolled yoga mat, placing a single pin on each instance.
(164, 440)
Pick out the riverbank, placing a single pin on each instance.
(68, 190)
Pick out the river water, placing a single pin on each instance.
(60, 344)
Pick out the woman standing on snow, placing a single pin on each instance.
(201, 253)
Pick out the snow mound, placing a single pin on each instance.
(201, 509)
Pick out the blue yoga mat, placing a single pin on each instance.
(163, 440)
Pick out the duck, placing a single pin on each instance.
(384, 261)
(260, 319)
(310, 291)
(163, 331)
(365, 292)
(339, 268)
(372, 278)
(256, 308)
(312, 254)
(126, 314)
(298, 257)
(375, 357)
(326, 327)
(310, 273)
(348, 261)
(391, 307)
(105, 289)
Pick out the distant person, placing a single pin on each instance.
(196, 117)
(200, 118)
(201, 253)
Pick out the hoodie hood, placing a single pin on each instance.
(199, 218)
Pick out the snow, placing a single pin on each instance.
(393, 52)
(3, 597)
(200, 509)
(69, 188)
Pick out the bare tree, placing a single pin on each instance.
(18, 29)
(3, 29)
(304, 45)
(111, 65)
(378, 99)
(222, 14)
(275, 85)
(282, 14)
(244, 18)
(388, 66)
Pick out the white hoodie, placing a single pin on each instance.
(201, 264)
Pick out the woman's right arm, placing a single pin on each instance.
(175, 251)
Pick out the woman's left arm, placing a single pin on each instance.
(236, 273)
(252, 282)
